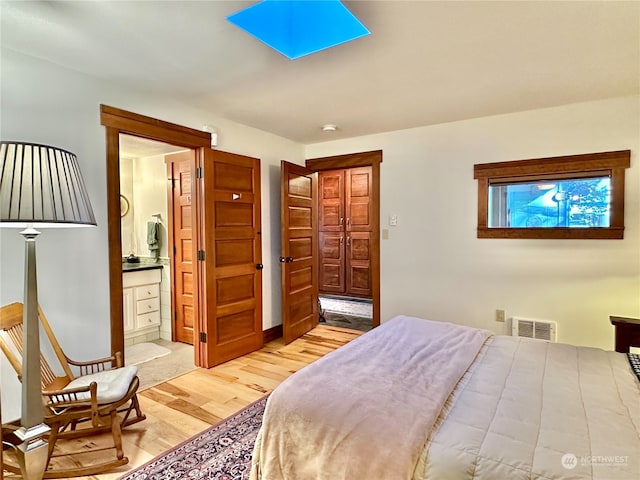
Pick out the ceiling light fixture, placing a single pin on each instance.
(297, 28)
(329, 128)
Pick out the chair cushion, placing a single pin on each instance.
(112, 384)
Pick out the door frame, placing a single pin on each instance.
(362, 159)
(117, 121)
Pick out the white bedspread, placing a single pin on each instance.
(361, 413)
(524, 409)
(526, 404)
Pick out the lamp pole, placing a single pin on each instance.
(32, 452)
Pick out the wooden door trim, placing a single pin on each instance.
(119, 121)
(349, 160)
(362, 159)
(152, 128)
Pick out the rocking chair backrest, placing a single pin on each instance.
(11, 323)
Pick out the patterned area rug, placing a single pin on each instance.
(222, 452)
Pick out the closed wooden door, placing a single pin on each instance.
(230, 261)
(331, 207)
(358, 206)
(358, 281)
(180, 167)
(332, 262)
(345, 222)
(358, 188)
(299, 259)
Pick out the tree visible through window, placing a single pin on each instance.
(577, 196)
(566, 203)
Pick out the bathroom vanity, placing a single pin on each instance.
(141, 302)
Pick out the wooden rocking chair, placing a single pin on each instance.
(75, 406)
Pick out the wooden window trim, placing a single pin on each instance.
(613, 163)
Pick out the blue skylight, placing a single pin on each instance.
(299, 28)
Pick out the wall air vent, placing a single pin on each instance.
(538, 329)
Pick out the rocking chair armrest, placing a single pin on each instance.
(69, 397)
(94, 366)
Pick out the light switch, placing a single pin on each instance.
(393, 220)
(385, 234)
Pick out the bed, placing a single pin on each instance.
(416, 399)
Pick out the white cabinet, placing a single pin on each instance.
(141, 303)
(129, 309)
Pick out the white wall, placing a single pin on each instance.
(150, 197)
(433, 265)
(44, 103)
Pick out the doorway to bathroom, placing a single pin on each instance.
(225, 248)
(157, 271)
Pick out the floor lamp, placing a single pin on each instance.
(40, 187)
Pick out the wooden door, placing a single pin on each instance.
(180, 167)
(299, 251)
(331, 219)
(331, 261)
(331, 201)
(230, 260)
(358, 185)
(344, 208)
(358, 264)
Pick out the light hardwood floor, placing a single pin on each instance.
(179, 408)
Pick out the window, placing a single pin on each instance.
(577, 196)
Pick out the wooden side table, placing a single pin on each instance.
(627, 333)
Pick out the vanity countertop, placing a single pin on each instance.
(136, 267)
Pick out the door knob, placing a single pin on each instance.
(289, 259)
(259, 266)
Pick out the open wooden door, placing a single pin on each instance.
(180, 167)
(299, 257)
(230, 256)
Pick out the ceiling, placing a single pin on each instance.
(424, 63)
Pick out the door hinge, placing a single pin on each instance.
(199, 172)
(175, 315)
(203, 337)
(173, 183)
(201, 255)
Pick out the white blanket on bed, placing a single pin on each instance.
(367, 416)
(528, 410)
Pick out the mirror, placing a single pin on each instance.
(124, 206)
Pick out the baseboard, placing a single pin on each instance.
(272, 333)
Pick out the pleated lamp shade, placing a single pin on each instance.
(41, 186)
